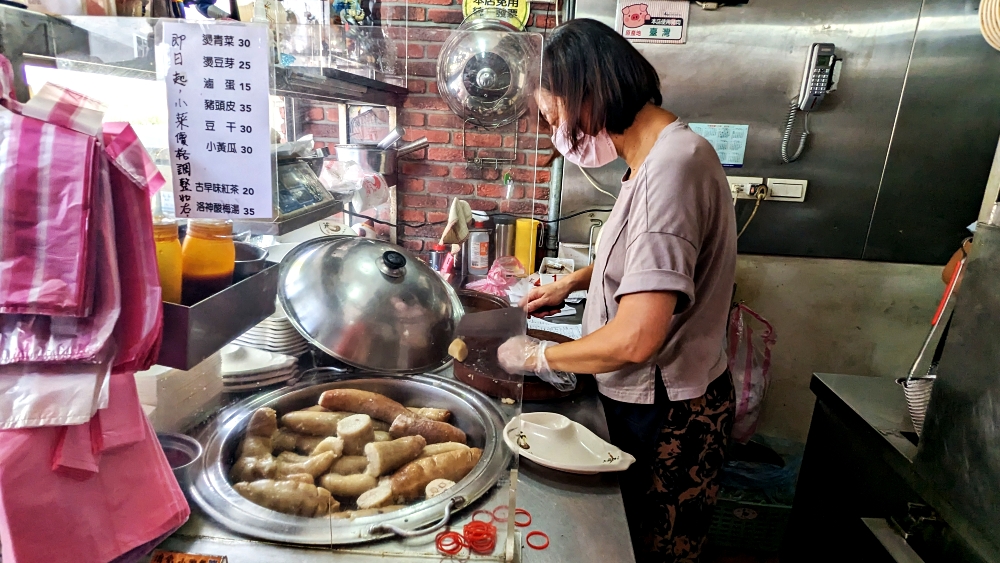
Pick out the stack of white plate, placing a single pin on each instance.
(174, 399)
(274, 334)
(245, 368)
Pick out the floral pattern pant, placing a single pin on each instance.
(679, 446)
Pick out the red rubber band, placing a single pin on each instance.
(480, 537)
(486, 512)
(497, 518)
(519, 512)
(530, 535)
(449, 543)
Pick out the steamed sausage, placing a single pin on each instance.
(349, 465)
(434, 432)
(315, 465)
(435, 449)
(356, 431)
(289, 497)
(354, 400)
(312, 423)
(386, 457)
(347, 485)
(439, 415)
(410, 481)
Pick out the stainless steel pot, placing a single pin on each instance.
(472, 411)
(375, 160)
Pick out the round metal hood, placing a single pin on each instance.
(369, 304)
(486, 70)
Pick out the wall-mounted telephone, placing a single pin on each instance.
(819, 78)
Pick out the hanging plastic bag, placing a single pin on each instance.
(496, 282)
(750, 339)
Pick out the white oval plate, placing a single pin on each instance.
(552, 440)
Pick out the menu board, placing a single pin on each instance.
(217, 80)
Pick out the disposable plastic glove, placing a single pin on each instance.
(526, 355)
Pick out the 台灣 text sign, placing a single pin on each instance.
(217, 86)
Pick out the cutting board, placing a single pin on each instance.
(481, 371)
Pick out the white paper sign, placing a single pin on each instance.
(653, 21)
(217, 96)
(729, 141)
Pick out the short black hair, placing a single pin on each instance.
(586, 61)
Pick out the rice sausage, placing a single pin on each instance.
(332, 444)
(411, 480)
(349, 465)
(435, 449)
(440, 415)
(434, 432)
(356, 431)
(355, 400)
(312, 423)
(386, 457)
(348, 485)
(289, 497)
(315, 465)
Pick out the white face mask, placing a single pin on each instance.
(592, 151)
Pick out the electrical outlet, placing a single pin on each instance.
(743, 186)
(782, 189)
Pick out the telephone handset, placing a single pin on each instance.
(820, 77)
(817, 76)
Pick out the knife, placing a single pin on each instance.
(496, 324)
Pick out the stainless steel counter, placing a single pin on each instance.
(859, 464)
(582, 515)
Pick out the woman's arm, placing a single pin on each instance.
(634, 336)
(551, 295)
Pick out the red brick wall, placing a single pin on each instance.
(430, 178)
(429, 181)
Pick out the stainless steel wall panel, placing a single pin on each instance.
(744, 64)
(945, 139)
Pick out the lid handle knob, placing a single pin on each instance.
(392, 264)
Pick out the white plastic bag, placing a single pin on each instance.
(749, 341)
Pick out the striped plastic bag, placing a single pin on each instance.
(750, 339)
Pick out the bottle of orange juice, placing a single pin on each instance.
(208, 257)
(168, 258)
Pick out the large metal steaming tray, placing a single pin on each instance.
(475, 413)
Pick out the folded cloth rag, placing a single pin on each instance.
(459, 217)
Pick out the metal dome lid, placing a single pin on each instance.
(369, 304)
(487, 70)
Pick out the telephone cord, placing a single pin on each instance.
(786, 138)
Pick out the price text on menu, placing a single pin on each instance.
(217, 96)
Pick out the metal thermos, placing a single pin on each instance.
(503, 236)
(438, 252)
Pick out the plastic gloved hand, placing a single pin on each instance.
(526, 355)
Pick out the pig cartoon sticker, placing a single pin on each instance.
(653, 21)
(635, 15)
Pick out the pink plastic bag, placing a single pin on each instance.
(496, 282)
(134, 178)
(750, 339)
(46, 185)
(131, 499)
(40, 338)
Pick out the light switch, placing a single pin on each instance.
(782, 189)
